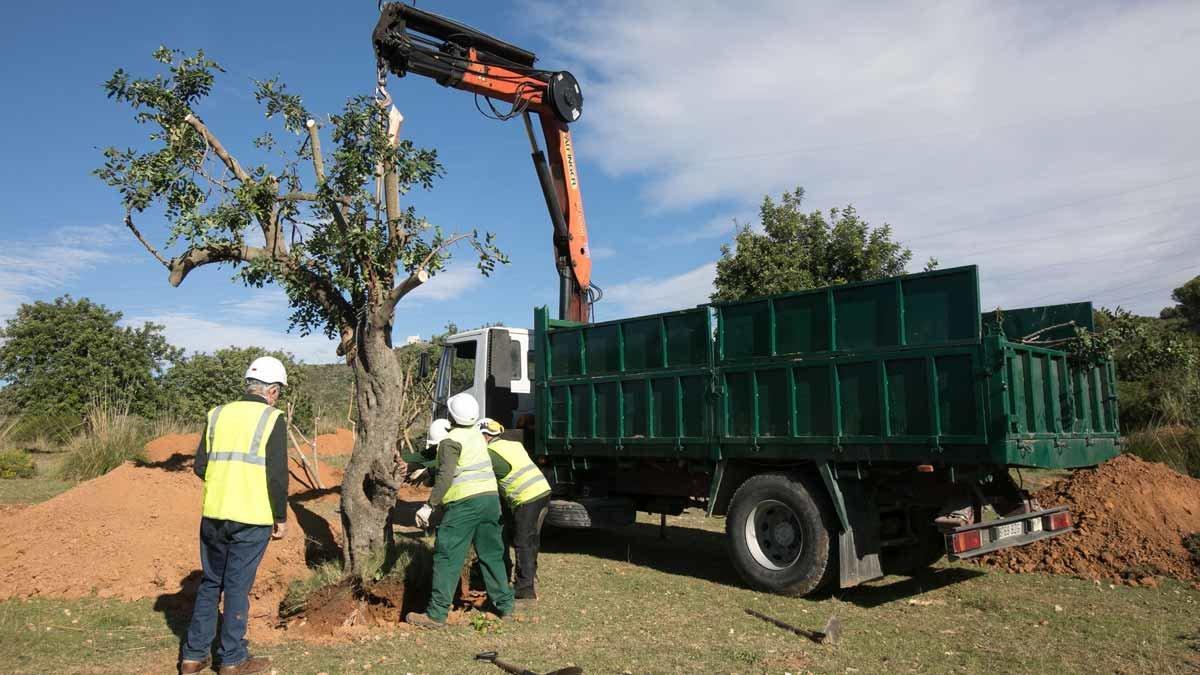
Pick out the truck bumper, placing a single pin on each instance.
(970, 541)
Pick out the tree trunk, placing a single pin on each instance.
(370, 484)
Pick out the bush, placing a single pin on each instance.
(16, 464)
(111, 437)
(1177, 446)
(44, 429)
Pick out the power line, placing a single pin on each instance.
(1073, 231)
(1189, 268)
(1092, 259)
(913, 137)
(1058, 207)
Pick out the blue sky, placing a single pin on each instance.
(1056, 149)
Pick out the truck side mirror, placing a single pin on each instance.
(500, 358)
(423, 366)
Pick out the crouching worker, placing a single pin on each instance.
(527, 494)
(466, 494)
(242, 459)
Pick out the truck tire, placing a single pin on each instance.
(591, 512)
(780, 530)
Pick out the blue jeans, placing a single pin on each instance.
(229, 554)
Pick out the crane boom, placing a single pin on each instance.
(410, 40)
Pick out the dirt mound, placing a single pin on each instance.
(340, 442)
(175, 452)
(165, 448)
(132, 534)
(1131, 518)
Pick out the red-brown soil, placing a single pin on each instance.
(132, 534)
(340, 442)
(1131, 517)
(164, 448)
(176, 451)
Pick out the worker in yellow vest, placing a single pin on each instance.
(527, 498)
(466, 495)
(242, 459)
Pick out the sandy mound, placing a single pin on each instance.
(164, 448)
(176, 452)
(132, 534)
(1131, 518)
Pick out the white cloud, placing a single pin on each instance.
(602, 252)
(44, 265)
(197, 334)
(1068, 130)
(647, 295)
(712, 228)
(269, 301)
(449, 284)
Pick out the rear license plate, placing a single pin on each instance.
(1009, 530)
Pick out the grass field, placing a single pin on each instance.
(40, 487)
(630, 602)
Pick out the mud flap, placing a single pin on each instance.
(858, 541)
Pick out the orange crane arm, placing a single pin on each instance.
(409, 40)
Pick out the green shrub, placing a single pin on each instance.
(43, 430)
(111, 437)
(1177, 446)
(16, 464)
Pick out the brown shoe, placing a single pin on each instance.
(423, 621)
(254, 664)
(189, 667)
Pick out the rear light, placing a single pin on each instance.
(966, 541)
(1058, 521)
(924, 468)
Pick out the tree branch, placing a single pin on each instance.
(421, 275)
(215, 144)
(391, 182)
(314, 140)
(153, 251)
(181, 265)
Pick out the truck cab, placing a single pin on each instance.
(495, 366)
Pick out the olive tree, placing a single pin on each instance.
(326, 227)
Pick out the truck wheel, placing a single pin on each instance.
(780, 533)
(591, 512)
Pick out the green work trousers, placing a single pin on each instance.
(472, 520)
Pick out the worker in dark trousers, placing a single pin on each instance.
(466, 495)
(243, 460)
(527, 497)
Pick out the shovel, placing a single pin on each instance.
(494, 658)
(829, 636)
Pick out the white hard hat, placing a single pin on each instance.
(490, 427)
(439, 429)
(464, 409)
(267, 369)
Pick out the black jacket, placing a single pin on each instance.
(277, 468)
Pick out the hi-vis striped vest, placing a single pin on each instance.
(473, 475)
(235, 481)
(525, 482)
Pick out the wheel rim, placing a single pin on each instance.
(773, 535)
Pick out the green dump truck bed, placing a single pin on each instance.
(905, 369)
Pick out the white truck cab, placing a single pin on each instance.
(495, 365)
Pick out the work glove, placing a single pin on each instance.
(423, 515)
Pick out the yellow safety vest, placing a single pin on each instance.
(524, 482)
(235, 481)
(473, 475)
